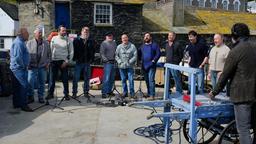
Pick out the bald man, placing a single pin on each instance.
(19, 63)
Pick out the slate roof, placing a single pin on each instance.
(201, 20)
(10, 9)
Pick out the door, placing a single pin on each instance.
(62, 14)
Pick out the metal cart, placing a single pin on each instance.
(211, 115)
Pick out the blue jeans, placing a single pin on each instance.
(86, 69)
(199, 81)
(37, 75)
(243, 122)
(54, 69)
(19, 98)
(108, 78)
(124, 74)
(214, 78)
(177, 79)
(149, 77)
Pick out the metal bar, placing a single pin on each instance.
(167, 108)
(193, 121)
(173, 115)
(182, 68)
(158, 103)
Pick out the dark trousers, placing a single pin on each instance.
(243, 122)
(54, 69)
(19, 93)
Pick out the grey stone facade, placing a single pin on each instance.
(30, 20)
(126, 18)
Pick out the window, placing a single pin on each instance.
(102, 14)
(188, 2)
(214, 3)
(201, 3)
(225, 4)
(1, 43)
(236, 5)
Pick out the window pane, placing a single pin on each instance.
(102, 14)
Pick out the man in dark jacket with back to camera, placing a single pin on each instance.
(84, 49)
(240, 69)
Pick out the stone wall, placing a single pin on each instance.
(28, 19)
(126, 18)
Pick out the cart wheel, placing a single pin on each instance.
(204, 136)
(229, 135)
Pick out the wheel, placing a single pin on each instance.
(204, 136)
(230, 135)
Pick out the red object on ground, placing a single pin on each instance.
(97, 71)
(186, 98)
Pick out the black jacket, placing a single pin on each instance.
(240, 69)
(84, 52)
(174, 54)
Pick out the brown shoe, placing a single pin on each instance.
(151, 98)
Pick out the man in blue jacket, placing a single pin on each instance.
(149, 53)
(19, 63)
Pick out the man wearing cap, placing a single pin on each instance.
(62, 54)
(107, 52)
(40, 54)
(19, 57)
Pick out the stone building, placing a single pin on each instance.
(176, 15)
(101, 16)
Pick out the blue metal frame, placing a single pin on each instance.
(221, 106)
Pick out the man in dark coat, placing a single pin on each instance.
(84, 50)
(174, 55)
(240, 69)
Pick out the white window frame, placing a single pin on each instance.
(227, 4)
(2, 43)
(189, 3)
(199, 3)
(239, 4)
(216, 4)
(111, 15)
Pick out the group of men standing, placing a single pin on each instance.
(30, 62)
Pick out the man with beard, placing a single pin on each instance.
(62, 54)
(149, 53)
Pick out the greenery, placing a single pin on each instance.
(10, 1)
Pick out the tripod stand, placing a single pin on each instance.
(48, 104)
(139, 91)
(62, 99)
(87, 95)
